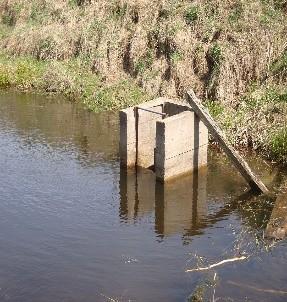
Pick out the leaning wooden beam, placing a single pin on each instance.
(254, 182)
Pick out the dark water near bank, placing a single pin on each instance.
(75, 228)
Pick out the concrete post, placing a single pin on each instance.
(181, 145)
(127, 138)
(146, 134)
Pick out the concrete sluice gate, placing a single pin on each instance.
(165, 135)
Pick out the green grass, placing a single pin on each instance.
(70, 78)
(120, 95)
(216, 55)
(23, 73)
(215, 108)
(259, 117)
(176, 57)
(278, 143)
(191, 15)
(144, 62)
(279, 66)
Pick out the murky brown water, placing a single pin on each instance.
(77, 228)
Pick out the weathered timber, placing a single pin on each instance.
(277, 225)
(244, 169)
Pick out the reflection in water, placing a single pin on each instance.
(191, 203)
(137, 192)
(277, 226)
(179, 205)
(55, 124)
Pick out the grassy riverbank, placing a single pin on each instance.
(111, 54)
(70, 78)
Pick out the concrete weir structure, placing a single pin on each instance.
(165, 135)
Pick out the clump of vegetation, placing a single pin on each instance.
(69, 78)
(144, 62)
(216, 55)
(278, 143)
(192, 14)
(236, 12)
(215, 108)
(279, 66)
(120, 95)
(257, 121)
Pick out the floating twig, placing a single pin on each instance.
(216, 264)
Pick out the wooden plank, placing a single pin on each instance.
(277, 225)
(244, 169)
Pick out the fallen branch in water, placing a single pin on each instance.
(270, 291)
(216, 264)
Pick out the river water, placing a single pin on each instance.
(77, 228)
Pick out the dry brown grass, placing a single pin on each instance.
(217, 47)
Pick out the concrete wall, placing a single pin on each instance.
(181, 145)
(146, 135)
(171, 108)
(174, 145)
(146, 131)
(127, 138)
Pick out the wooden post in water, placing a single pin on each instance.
(254, 182)
(277, 225)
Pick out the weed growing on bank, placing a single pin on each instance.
(70, 78)
(258, 121)
(216, 47)
(278, 143)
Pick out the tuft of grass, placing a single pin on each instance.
(279, 66)
(270, 96)
(144, 62)
(119, 10)
(119, 95)
(271, 12)
(216, 54)
(278, 143)
(38, 12)
(236, 13)
(4, 77)
(9, 16)
(215, 108)
(191, 15)
(176, 57)
(23, 73)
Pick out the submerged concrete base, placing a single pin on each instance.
(173, 144)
